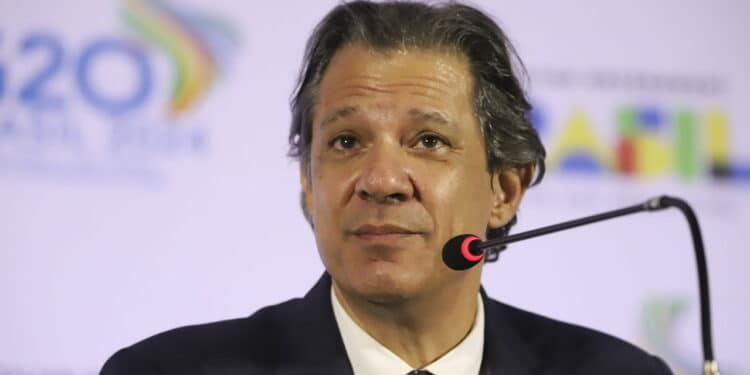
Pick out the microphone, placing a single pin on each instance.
(464, 251)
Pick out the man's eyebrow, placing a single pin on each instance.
(417, 115)
(338, 114)
(431, 116)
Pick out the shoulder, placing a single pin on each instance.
(250, 343)
(574, 348)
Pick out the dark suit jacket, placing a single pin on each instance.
(300, 336)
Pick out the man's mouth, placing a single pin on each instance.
(382, 232)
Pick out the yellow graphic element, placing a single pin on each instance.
(195, 68)
(579, 137)
(718, 138)
(652, 156)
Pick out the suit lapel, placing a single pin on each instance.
(505, 351)
(315, 344)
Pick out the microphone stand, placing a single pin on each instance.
(710, 365)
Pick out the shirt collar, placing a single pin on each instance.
(368, 357)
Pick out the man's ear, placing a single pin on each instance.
(508, 186)
(306, 196)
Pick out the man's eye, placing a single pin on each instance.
(430, 141)
(344, 142)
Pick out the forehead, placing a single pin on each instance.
(397, 78)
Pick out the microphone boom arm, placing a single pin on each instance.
(710, 365)
(497, 244)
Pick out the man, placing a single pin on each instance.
(411, 128)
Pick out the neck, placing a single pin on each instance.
(421, 329)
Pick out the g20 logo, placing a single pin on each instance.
(34, 91)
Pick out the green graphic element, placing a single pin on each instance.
(685, 145)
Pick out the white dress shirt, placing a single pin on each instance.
(368, 357)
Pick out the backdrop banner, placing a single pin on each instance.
(144, 177)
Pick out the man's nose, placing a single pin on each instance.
(385, 176)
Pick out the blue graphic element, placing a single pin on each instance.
(2, 75)
(581, 162)
(114, 106)
(538, 119)
(740, 172)
(41, 130)
(2, 81)
(651, 118)
(32, 92)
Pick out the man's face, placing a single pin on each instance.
(398, 168)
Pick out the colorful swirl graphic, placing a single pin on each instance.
(197, 45)
(661, 318)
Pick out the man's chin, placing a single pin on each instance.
(386, 287)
